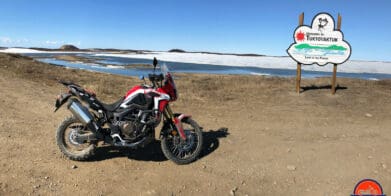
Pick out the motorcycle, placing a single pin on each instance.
(129, 122)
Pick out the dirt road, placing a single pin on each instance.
(261, 137)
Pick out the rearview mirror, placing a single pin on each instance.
(154, 63)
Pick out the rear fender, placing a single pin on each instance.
(61, 99)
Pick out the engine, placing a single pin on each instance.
(135, 123)
(131, 129)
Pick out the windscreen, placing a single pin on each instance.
(164, 69)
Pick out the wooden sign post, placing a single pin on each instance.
(334, 81)
(298, 72)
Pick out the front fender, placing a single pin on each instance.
(176, 124)
(181, 116)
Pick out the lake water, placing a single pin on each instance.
(116, 65)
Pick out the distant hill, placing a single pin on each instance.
(176, 50)
(69, 47)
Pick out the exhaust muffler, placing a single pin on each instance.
(80, 111)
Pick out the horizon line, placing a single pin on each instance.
(182, 51)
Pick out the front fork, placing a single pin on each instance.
(175, 120)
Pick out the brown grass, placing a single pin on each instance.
(192, 87)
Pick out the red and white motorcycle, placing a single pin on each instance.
(129, 122)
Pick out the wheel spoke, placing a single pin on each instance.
(180, 155)
(69, 137)
(184, 151)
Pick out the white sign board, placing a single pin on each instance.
(320, 43)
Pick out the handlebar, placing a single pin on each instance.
(155, 77)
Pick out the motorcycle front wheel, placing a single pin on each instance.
(66, 140)
(180, 151)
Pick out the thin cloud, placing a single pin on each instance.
(55, 42)
(5, 40)
(8, 40)
(78, 43)
(18, 41)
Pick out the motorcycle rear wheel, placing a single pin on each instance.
(183, 152)
(65, 138)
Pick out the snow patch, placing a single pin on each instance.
(27, 50)
(115, 67)
(258, 61)
(20, 50)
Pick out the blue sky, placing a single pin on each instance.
(263, 27)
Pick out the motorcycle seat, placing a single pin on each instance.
(112, 107)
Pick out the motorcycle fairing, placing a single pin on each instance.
(140, 96)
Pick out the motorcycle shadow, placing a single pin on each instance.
(211, 140)
(153, 152)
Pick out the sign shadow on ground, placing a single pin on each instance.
(316, 87)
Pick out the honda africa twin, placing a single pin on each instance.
(129, 122)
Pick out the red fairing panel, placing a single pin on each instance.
(163, 100)
(160, 90)
(134, 89)
(169, 87)
(162, 105)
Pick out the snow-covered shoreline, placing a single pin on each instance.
(351, 66)
(32, 51)
(258, 61)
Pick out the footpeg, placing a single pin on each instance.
(116, 135)
(124, 143)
